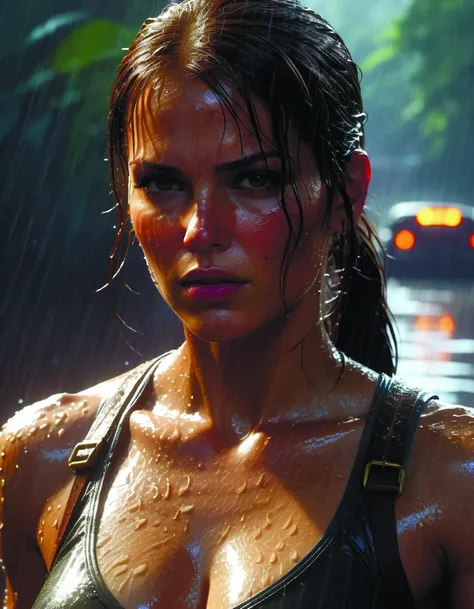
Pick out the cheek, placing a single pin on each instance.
(264, 235)
(155, 233)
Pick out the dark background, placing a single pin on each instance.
(57, 62)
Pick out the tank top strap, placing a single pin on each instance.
(384, 474)
(100, 441)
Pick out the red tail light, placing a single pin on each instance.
(404, 240)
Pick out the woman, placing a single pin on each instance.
(264, 462)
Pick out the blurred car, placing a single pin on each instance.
(430, 240)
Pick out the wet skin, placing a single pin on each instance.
(178, 502)
(193, 491)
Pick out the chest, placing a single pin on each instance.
(183, 525)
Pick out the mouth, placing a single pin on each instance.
(211, 277)
(211, 282)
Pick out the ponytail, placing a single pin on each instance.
(362, 326)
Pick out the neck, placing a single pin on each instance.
(271, 376)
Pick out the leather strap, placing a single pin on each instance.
(86, 454)
(385, 469)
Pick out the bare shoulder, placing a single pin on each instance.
(35, 444)
(443, 470)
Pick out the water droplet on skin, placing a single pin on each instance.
(177, 515)
(141, 523)
(185, 528)
(261, 480)
(2, 482)
(136, 506)
(281, 568)
(185, 509)
(293, 530)
(224, 534)
(273, 558)
(288, 523)
(60, 433)
(167, 493)
(294, 556)
(155, 493)
(56, 524)
(258, 534)
(140, 570)
(119, 562)
(157, 523)
(241, 489)
(44, 426)
(122, 518)
(33, 430)
(265, 579)
(120, 570)
(185, 488)
(259, 559)
(268, 522)
(1, 526)
(280, 545)
(122, 585)
(243, 518)
(102, 542)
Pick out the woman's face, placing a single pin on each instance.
(201, 199)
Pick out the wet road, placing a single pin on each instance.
(436, 337)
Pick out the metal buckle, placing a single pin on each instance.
(84, 455)
(387, 485)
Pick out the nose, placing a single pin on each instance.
(207, 228)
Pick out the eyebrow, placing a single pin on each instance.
(232, 166)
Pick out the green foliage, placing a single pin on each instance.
(438, 33)
(92, 43)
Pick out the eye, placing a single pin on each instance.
(159, 183)
(260, 179)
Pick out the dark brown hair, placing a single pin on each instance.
(292, 60)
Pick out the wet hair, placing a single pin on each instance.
(294, 62)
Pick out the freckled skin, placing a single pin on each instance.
(188, 491)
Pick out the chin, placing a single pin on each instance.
(220, 325)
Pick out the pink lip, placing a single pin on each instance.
(212, 292)
(209, 275)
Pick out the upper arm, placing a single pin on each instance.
(18, 549)
(455, 465)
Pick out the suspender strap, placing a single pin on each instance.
(385, 469)
(86, 454)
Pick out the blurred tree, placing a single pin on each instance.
(436, 36)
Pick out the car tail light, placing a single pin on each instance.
(447, 324)
(404, 240)
(439, 216)
(471, 240)
(443, 323)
